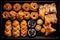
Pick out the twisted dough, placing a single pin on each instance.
(23, 28)
(16, 29)
(33, 6)
(20, 15)
(8, 28)
(12, 15)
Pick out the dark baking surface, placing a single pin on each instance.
(40, 36)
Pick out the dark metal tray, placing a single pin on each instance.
(54, 35)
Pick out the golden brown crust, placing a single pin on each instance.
(26, 6)
(42, 12)
(48, 29)
(43, 30)
(8, 33)
(34, 15)
(27, 15)
(16, 33)
(23, 23)
(38, 27)
(15, 23)
(46, 8)
(12, 15)
(39, 21)
(16, 6)
(24, 28)
(8, 28)
(7, 6)
(33, 6)
(5, 14)
(20, 15)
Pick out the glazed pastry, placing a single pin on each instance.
(7, 6)
(16, 33)
(23, 23)
(34, 15)
(39, 21)
(8, 25)
(16, 6)
(24, 32)
(33, 6)
(20, 15)
(15, 23)
(16, 28)
(8, 22)
(12, 15)
(5, 15)
(27, 15)
(8, 28)
(38, 27)
(31, 24)
(24, 28)
(26, 6)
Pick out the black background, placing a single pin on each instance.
(31, 0)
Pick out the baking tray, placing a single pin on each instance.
(54, 35)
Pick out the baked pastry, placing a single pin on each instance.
(16, 6)
(43, 30)
(15, 23)
(20, 15)
(41, 12)
(50, 18)
(12, 15)
(38, 28)
(53, 7)
(16, 33)
(39, 21)
(46, 8)
(23, 23)
(24, 28)
(16, 28)
(5, 15)
(48, 29)
(54, 18)
(34, 15)
(33, 6)
(47, 19)
(8, 33)
(8, 28)
(8, 25)
(27, 15)
(7, 6)
(26, 6)
(24, 32)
